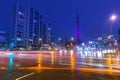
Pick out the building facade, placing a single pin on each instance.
(18, 28)
(33, 29)
(28, 31)
(4, 40)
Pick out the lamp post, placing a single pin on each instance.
(112, 18)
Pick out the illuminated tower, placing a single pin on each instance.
(78, 37)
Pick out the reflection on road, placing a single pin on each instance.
(55, 60)
(52, 57)
(72, 60)
(39, 60)
(11, 61)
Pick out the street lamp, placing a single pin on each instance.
(112, 18)
(72, 39)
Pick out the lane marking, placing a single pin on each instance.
(24, 76)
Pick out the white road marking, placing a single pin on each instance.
(24, 76)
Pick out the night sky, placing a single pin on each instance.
(94, 16)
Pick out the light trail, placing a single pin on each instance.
(110, 66)
(107, 71)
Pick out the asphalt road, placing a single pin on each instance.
(54, 66)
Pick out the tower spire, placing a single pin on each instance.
(78, 40)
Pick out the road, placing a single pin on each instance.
(55, 66)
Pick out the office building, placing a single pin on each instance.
(4, 40)
(25, 29)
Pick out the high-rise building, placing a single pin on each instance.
(44, 34)
(47, 37)
(18, 28)
(34, 26)
(50, 34)
(26, 28)
(4, 40)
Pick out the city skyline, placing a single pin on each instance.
(63, 16)
(60, 40)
